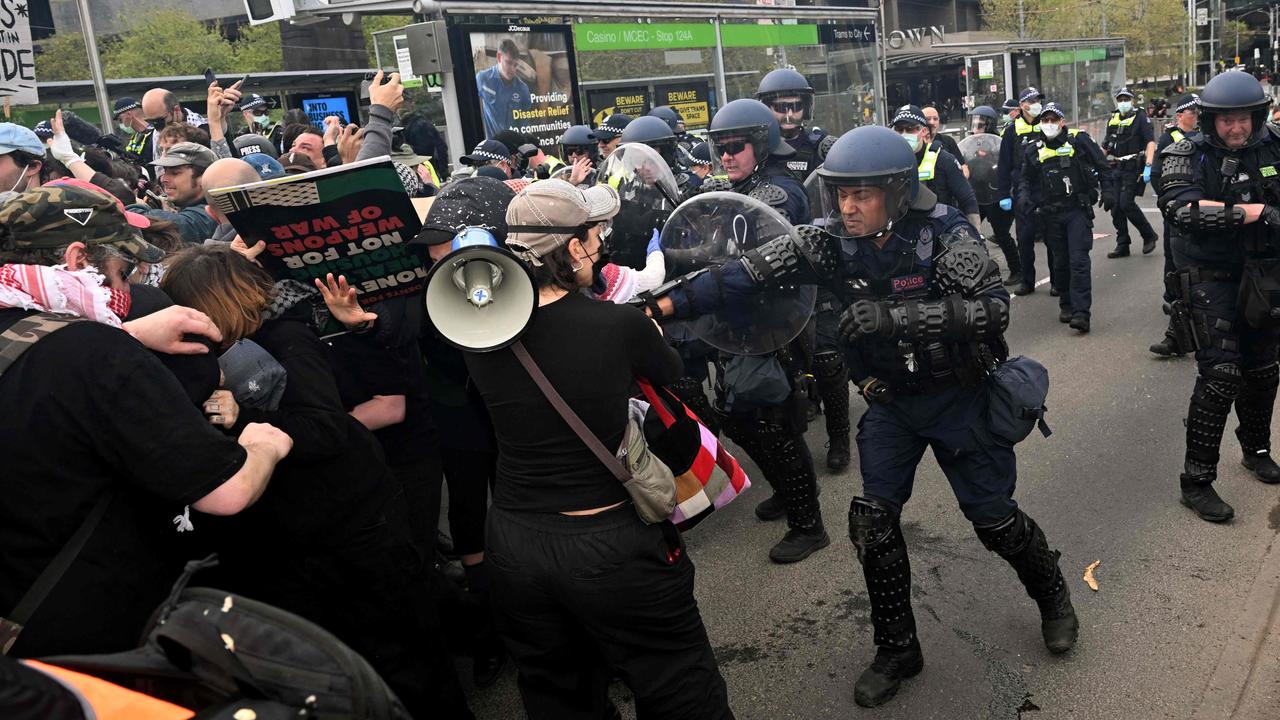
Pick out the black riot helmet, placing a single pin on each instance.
(983, 119)
(1231, 92)
(579, 139)
(749, 120)
(868, 156)
(785, 83)
(654, 132)
(671, 117)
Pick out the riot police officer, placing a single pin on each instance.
(1059, 183)
(984, 121)
(938, 169)
(656, 133)
(745, 136)
(1220, 191)
(675, 121)
(1186, 113)
(790, 96)
(580, 151)
(922, 330)
(609, 133)
(1022, 132)
(1130, 146)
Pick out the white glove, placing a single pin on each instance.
(61, 150)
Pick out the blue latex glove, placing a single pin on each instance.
(655, 243)
(1146, 174)
(1006, 204)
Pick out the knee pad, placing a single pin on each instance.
(1008, 536)
(1266, 377)
(828, 365)
(870, 523)
(1218, 386)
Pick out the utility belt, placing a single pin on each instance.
(940, 366)
(1122, 160)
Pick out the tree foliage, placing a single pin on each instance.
(166, 42)
(1154, 30)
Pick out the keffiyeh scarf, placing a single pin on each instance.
(65, 292)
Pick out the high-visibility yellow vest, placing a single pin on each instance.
(1047, 153)
(431, 170)
(928, 164)
(1177, 135)
(1116, 120)
(1022, 127)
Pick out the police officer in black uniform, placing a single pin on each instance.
(925, 322)
(656, 133)
(609, 133)
(745, 137)
(1220, 190)
(579, 141)
(1013, 143)
(674, 120)
(1130, 146)
(938, 169)
(1186, 124)
(1060, 180)
(984, 120)
(790, 96)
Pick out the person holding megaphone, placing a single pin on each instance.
(576, 576)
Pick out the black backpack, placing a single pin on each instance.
(219, 653)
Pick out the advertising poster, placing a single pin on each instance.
(354, 220)
(691, 100)
(524, 80)
(628, 101)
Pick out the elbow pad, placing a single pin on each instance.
(1214, 218)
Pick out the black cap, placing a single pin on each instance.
(124, 104)
(469, 202)
(486, 152)
(612, 126)
(911, 114)
(253, 101)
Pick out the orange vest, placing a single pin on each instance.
(109, 701)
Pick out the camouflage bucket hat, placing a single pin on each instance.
(55, 216)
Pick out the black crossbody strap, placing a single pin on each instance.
(580, 428)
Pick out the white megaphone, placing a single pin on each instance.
(480, 296)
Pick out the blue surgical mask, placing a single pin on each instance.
(912, 139)
(1124, 106)
(263, 120)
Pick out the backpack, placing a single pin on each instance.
(220, 653)
(1016, 392)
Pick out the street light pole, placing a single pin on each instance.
(95, 66)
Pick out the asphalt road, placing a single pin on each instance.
(1178, 628)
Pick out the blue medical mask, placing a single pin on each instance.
(1124, 106)
(263, 120)
(911, 139)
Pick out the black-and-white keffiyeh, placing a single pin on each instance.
(287, 294)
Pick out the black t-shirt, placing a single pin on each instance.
(86, 411)
(591, 351)
(363, 370)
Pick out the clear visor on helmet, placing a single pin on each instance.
(729, 148)
(666, 148)
(979, 124)
(865, 207)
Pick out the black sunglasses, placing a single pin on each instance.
(783, 107)
(731, 147)
(157, 123)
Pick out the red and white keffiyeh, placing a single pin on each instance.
(66, 292)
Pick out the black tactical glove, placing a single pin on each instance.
(1271, 215)
(866, 317)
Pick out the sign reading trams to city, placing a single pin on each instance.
(628, 101)
(354, 220)
(691, 100)
(17, 61)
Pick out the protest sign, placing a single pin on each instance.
(17, 61)
(354, 220)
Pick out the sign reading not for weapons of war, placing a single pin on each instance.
(17, 62)
(354, 220)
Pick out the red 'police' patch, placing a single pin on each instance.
(908, 282)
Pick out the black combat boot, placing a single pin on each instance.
(1168, 347)
(1120, 252)
(1253, 409)
(799, 543)
(771, 508)
(882, 550)
(1014, 279)
(1215, 390)
(1026, 288)
(838, 451)
(1023, 545)
(1080, 324)
(1149, 245)
(785, 458)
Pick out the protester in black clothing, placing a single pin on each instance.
(583, 589)
(91, 416)
(331, 541)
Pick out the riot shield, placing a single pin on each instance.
(982, 152)
(649, 193)
(715, 228)
(813, 188)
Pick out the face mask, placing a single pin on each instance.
(911, 139)
(263, 120)
(1035, 109)
(1124, 106)
(128, 131)
(1050, 130)
(13, 192)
